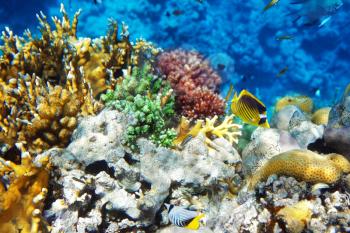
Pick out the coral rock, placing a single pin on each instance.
(337, 133)
(265, 144)
(304, 165)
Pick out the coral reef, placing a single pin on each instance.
(337, 133)
(265, 144)
(325, 212)
(194, 82)
(111, 188)
(48, 82)
(304, 165)
(23, 191)
(149, 102)
(298, 124)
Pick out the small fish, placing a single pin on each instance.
(200, 1)
(250, 109)
(318, 92)
(221, 66)
(177, 12)
(285, 37)
(183, 217)
(316, 12)
(282, 72)
(229, 93)
(317, 188)
(271, 4)
(97, 1)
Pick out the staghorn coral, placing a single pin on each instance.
(194, 82)
(41, 115)
(320, 117)
(22, 192)
(305, 103)
(149, 101)
(304, 165)
(46, 83)
(226, 129)
(49, 55)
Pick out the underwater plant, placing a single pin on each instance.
(194, 82)
(150, 102)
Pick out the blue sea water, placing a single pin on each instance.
(237, 34)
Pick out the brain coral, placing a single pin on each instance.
(304, 165)
(194, 82)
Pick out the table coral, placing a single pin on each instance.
(304, 165)
(22, 192)
(194, 82)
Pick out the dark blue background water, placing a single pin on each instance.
(230, 32)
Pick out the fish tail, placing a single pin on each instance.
(194, 224)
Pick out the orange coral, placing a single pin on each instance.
(46, 83)
(22, 194)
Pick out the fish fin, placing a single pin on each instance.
(229, 93)
(194, 224)
(261, 108)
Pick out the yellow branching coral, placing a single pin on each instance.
(22, 193)
(41, 115)
(304, 165)
(226, 129)
(46, 83)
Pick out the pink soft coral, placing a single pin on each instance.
(195, 83)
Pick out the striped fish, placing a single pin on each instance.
(183, 217)
(250, 109)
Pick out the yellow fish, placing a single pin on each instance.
(183, 217)
(250, 109)
(271, 4)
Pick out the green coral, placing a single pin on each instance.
(142, 95)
